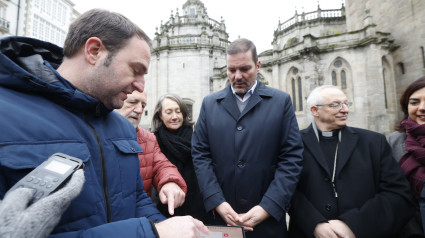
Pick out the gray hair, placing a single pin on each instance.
(316, 97)
(156, 119)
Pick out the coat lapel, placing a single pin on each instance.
(229, 103)
(260, 91)
(312, 144)
(228, 100)
(253, 100)
(346, 147)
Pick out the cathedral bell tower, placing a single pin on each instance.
(185, 51)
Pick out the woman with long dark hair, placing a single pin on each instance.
(408, 146)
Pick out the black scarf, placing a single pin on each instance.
(176, 145)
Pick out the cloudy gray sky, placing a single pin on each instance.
(255, 20)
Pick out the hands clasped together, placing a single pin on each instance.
(248, 220)
(333, 229)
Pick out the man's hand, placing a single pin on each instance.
(324, 230)
(253, 217)
(341, 229)
(181, 227)
(172, 195)
(228, 214)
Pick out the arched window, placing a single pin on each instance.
(340, 75)
(294, 88)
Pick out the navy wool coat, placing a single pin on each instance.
(249, 158)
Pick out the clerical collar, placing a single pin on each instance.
(316, 131)
(328, 134)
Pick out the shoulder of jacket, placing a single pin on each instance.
(305, 130)
(269, 91)
(366, 134)
(397, 135)
(146, 135)
(218, 95)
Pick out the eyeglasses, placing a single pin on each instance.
(337, 105)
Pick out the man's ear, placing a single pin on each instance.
(258, 66)
(93, 50)
(313, 110)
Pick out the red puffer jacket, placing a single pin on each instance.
(154, 165)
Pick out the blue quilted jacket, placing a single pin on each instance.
(41, 113)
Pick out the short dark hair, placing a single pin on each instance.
(242, 45)
(156, 120)
(404, 99)
(112, 28)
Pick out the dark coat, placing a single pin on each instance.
(373, 196)
(249, 158)
(193, 204)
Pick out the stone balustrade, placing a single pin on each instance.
(309, 16)
(4, 25)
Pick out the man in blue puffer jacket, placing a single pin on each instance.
(62, 101)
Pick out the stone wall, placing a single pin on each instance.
(405, 20)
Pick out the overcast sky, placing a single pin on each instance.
(255, 20)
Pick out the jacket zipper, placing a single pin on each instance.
(104, 174)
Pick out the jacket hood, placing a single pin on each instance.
(28, 65)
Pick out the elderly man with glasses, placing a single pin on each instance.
(350, 185)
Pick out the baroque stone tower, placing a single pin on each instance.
(186, 49)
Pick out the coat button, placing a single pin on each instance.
(239, 128)
(328, 207)
(240, 163)
(326, 179)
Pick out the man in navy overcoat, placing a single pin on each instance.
(247, 149)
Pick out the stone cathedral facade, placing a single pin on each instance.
(370, 49)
